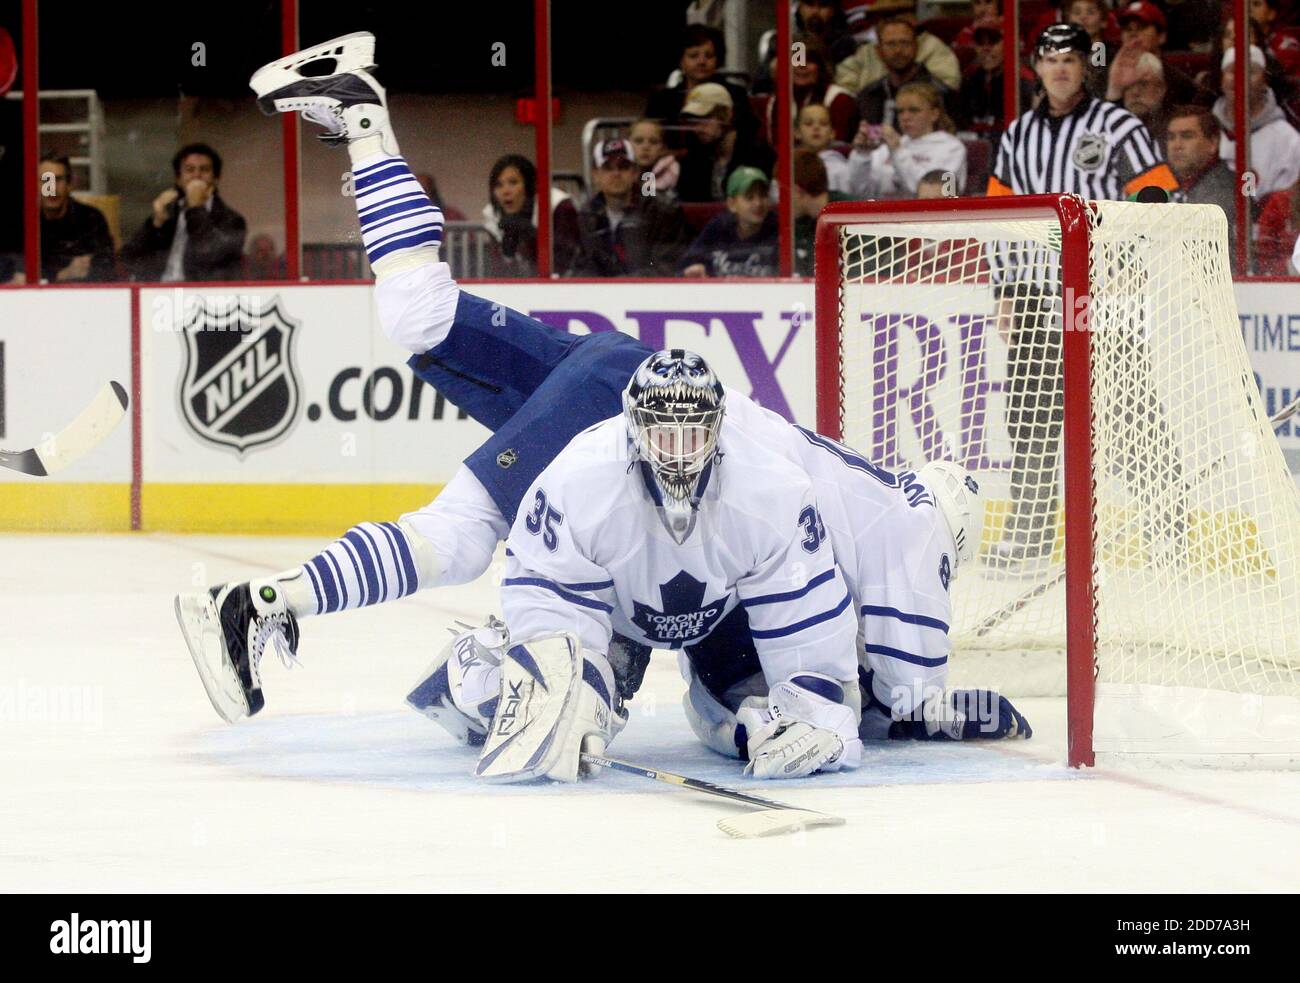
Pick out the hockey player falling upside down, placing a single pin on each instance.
(680, 515)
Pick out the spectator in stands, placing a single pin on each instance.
(981, 102)
(263, 261)
(811, 80)
(894, 55)
(743, 240)
(651, 155)
(935, 184)
(700, 52)
(846, 172)
(1193, 24)
(981, 11)
(1094, 17)
(1285, 87)
(1143, 25)
(1059, 14)
(76, 246)
(510, 217)
(824, 20)
(925, 143)
(1147, 96)
(1282, 42)
(192, 234)
(623, 231)
(1192, 148)
(1277, 236)
(450, 212)
(812, 192)
(898, 47)
(1274, 143)
(714, 148)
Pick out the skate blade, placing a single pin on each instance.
(203, 639)
(349, 52)
(775, 822)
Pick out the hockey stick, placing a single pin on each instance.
(774, 817)
(1285, 413)
(74, 441)
(1002, 614)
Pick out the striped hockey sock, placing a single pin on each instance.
(369, 564)
(397, 217)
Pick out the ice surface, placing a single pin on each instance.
(117, 774)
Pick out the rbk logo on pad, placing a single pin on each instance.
(685, 616)
(240, 389)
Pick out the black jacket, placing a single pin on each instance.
(648, 241)
(81, 231)
(214, 246)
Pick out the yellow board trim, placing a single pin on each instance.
(289, 510)
(40, 505)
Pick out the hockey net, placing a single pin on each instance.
(1084, 361)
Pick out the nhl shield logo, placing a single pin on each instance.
(1089, 151)
(240, 387)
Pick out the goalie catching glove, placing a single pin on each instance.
(802, 727)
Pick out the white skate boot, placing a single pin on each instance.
(227, 630)
(331, 85)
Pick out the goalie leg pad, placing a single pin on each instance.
(556, 700)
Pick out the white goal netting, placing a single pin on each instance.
(950, 335)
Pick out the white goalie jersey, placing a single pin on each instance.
(589, 553)
(893, 546)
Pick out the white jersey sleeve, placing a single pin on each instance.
(905, 566)
(799, 608)
(551, 584)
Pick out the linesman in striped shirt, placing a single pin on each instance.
(1072, 142)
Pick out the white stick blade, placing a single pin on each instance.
(774, 822)
(80, 436)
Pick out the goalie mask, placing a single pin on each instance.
(673, 406)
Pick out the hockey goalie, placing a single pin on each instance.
(644, 506)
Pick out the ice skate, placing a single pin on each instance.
(227, 630)
(331, 85)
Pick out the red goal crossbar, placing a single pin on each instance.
(1071, 213)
